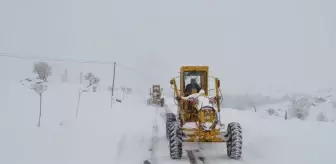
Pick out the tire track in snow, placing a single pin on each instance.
(191, 156)
(121, 145)
(131, 148)
(120, 148)
(200, 154)
(206, 156)
(133, 144)
(154, 140)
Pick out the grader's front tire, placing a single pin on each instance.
(162, 102)
(168, 125)
(170, 119)
(175, 140)
(235, 142)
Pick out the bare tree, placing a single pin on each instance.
(39, 88)
(43, 70)
(93, 80)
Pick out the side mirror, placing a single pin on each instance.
(218, 83)
(171, 82)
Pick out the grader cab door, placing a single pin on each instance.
(193, 81)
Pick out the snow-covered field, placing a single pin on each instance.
(99, 134)
(123, 134)
(322, 112)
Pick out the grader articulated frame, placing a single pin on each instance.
(196, 122)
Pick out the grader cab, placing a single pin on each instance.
(198, 115)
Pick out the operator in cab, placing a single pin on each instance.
(192, 85)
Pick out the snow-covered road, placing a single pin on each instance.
(124, 134)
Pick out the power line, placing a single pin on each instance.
(137, 71)
(71, 60)
(55, 59)
(125, 67)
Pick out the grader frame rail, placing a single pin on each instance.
(190, 113)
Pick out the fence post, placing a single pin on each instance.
(112, 89)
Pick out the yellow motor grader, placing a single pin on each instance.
(156, 96)
(198, 115)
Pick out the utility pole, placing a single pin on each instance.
(81, 78)
(123, 93)
(112, 89)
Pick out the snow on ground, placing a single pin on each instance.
(280, 109)
(324, 108)
(275, 140)
(123, 134)
(314, 113)
(99, 135)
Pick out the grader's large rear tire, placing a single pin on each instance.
(175, 140)
(235, 142)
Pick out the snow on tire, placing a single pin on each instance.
(235, 143)
(170, 118)
(168, 125)
(175, 140)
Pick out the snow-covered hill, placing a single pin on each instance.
(312, 108)
(123, 134)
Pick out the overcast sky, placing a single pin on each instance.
(259, 45)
